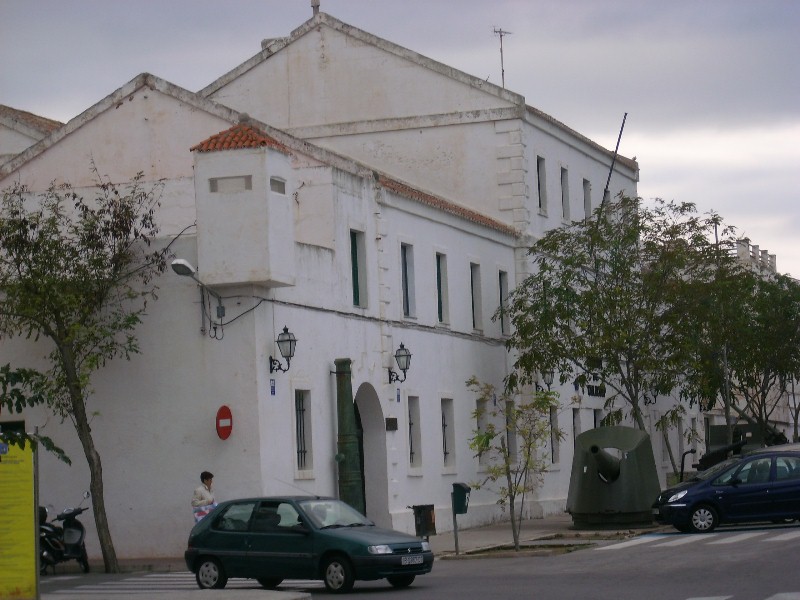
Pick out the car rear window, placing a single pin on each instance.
(235, 517)
(788, 468)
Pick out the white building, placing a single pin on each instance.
(397, 209)
(20, 129)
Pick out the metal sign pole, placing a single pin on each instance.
(455, 521)
(36, 508)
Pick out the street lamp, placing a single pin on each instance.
(184, 268)
(286, 345)
(403, 358)
(548, 376)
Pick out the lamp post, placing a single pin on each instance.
(403, 359)
(286, 345)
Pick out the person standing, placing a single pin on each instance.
(203, 497)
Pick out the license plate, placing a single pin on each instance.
(411, 560)
(656, 511)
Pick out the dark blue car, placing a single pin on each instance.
(763, 485)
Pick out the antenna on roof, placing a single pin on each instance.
(501, 33)
(613, 160)
(315, 6)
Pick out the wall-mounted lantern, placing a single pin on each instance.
(547, 377)
(286, 345)
(403, 358)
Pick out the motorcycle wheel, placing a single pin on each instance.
(83, 560)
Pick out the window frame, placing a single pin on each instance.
(358, 268)
(407, 279)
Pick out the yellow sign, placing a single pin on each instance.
(17, 525)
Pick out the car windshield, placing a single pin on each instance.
(712, 472)
(326, 513)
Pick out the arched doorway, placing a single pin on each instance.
(373, 450)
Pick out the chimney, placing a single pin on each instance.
(315, 6)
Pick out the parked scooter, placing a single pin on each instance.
(67, 542)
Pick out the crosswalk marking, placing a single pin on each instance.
(734, 539)
(680, 540)
(634, 542)
(661, 540)
(151, 583)
(785, 536)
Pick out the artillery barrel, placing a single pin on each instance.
(607, 464)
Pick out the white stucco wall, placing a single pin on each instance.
(13, 141)
(326, 76)
(155, 425)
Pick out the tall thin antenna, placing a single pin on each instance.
(501, 33)
(613, 160)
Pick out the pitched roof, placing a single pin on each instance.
(273, 46)
(144, 80)
(249, 134)
(242, 135)
(445, 205)
(42, 124)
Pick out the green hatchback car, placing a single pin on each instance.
(301, 537)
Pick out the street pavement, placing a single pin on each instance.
(536, 535)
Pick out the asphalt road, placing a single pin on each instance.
(734, 563)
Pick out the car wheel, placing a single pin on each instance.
(210, 575)
(401, 581)
(703, 519)
(269, 583)
(338, 574)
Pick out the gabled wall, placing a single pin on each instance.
(330, 73)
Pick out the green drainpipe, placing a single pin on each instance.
(350, 488)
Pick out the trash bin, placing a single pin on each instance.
(424, 520)
(460, 498)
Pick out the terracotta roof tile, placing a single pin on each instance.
(237, 137)
(445, 206)
(42, 124)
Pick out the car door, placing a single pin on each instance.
(744, 493)
(279, 544)
(226, 539)
(786, 489)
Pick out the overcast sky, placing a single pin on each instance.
(711, 87)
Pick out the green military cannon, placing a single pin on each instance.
(614, 479)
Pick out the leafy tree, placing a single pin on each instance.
(794, 408)
(761, 314)
(610, 299)
(20, 388)
(75, 276)
(509, 442)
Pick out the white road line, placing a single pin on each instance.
(680, 540)
(733, 539)
(784, 537)
(634, 542)
(710, 598)
(785, 596)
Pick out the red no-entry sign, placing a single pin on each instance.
(224, 422)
